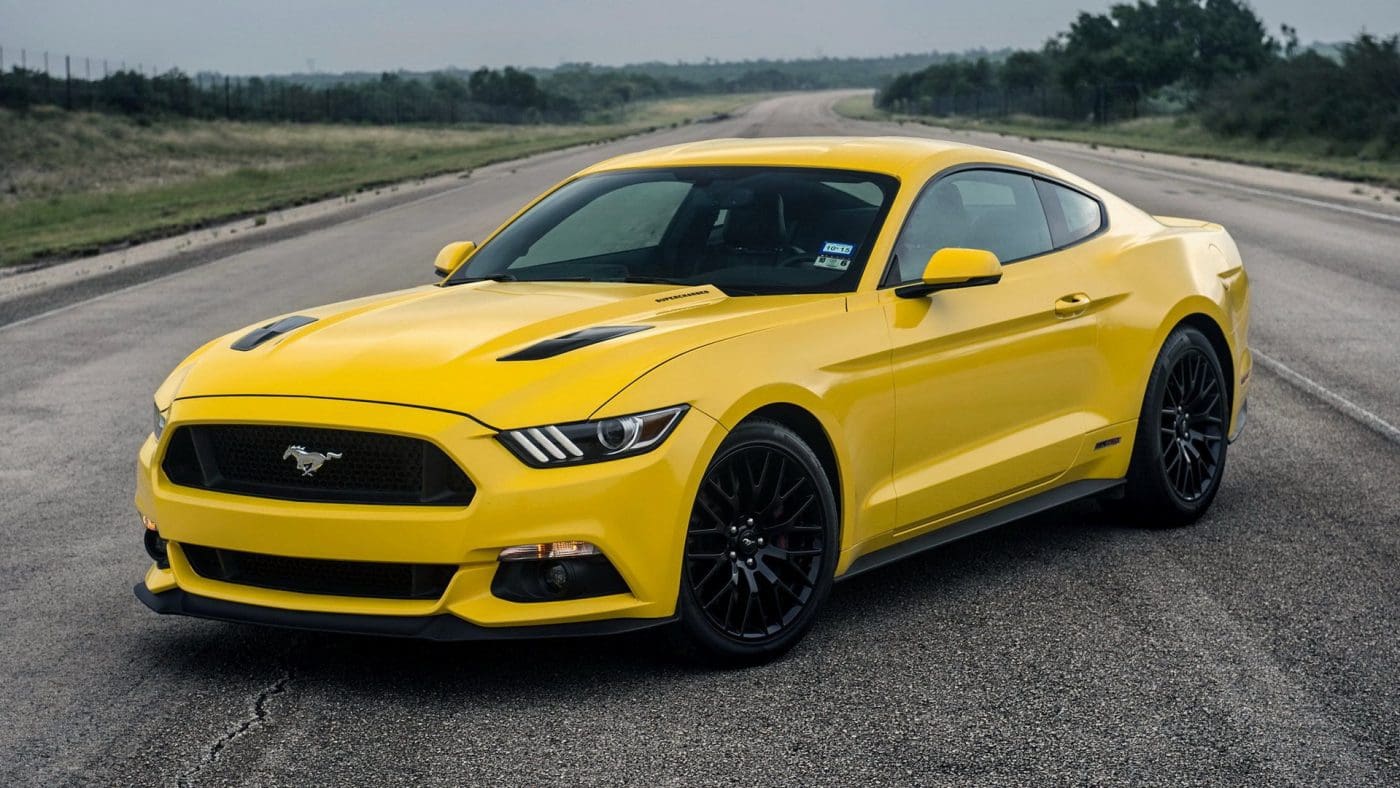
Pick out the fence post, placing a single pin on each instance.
(228, 110)
(68, 82)
(23, 61)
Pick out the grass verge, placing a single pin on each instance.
(1181, 135)
(77, 183)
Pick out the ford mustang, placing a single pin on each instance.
(693, 388)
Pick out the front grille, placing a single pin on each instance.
(319, 576)
(315, 464)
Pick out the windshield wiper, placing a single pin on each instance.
(649, 280)
(514, 278)
(492, 278)
(661, 280)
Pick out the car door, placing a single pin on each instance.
(991, 382)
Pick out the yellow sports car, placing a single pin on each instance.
(693, 387)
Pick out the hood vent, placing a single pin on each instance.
(560, 345)
(258, 336)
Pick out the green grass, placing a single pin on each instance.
(75, 183)
(1181, 135)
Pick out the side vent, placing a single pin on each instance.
(560, 345)
(258, 336)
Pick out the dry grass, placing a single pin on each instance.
(72, 183)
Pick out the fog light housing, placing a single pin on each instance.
(155, 544)
(555, 571)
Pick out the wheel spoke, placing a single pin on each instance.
(704, 506)
(720, 563)
(713, 484)
(1175, 451)
(775, 499)
(719, 594)
(790, 520)
(764, 619)
(744, 622)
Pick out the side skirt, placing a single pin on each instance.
(1035, 504)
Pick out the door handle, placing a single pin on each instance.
(1072, 305)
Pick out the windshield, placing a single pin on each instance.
(745, 230)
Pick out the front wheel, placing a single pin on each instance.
(761, 548)
(1179, 453)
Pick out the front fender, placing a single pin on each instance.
(835, 366)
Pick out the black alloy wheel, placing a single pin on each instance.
(1192, 426)
(1179, 453)
(761, 546)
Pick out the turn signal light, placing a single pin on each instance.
(548, 551)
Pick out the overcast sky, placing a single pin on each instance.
(278, 36)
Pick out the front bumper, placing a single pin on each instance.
(635, 510)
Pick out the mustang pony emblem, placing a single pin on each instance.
(308, 462)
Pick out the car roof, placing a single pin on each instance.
(890, 155)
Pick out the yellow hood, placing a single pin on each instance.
(440, 347)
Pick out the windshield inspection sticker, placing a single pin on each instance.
(835, 256)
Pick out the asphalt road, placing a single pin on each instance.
(1258, 647)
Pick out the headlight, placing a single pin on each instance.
(158, 426)
(582, 442)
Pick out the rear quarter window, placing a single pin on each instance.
(1080, 215)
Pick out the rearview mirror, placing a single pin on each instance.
(452, 256)
(952, 268)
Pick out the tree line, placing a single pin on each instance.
(568, 93)
(1212, 57)
(487, 95)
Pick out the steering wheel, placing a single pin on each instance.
(794, 260)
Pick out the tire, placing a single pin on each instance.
(760, 549)
(1179, 453)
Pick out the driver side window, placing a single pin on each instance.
(976, 209)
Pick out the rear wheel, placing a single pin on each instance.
(1179, 453)
(760, 550)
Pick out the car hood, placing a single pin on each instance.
(441, 347)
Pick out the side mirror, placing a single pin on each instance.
(951, 268)
(452, 256)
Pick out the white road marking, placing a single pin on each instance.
(1347, 407)
(24, 321)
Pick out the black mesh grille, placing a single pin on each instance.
(318, 576)
(315, 464)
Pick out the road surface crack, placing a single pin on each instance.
(258, 717)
